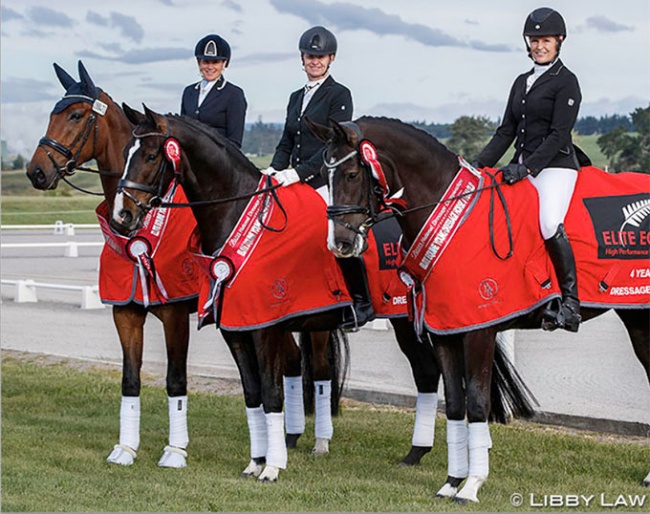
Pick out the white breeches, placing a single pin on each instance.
(554, 189)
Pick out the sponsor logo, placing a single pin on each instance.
(488, 288)
(280, 289)
(621, 225)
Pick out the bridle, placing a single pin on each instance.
(369, 188)
(70, 167)
(157, 193)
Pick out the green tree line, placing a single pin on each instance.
(624, 140)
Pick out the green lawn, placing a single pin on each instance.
(59, 424)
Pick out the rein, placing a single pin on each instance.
(387, 212)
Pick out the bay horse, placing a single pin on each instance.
(219, 181)
(88, 125)
(418, 169)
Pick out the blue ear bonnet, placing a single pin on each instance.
(74, 94)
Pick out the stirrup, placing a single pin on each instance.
(561, 314)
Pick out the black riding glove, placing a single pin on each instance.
(476, 165)
(514, 173)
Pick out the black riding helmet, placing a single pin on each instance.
(317, 41)
(213, 48)
(544, 21)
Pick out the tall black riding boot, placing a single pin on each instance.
(354, 273)
(567, 316)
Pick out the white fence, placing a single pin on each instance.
(25, 292)
(59, 227)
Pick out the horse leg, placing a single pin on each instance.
(294, 409)
(242, 350)
(637, 323)
(449, 351)
(322, 375)
(269, 360)
(129, 322)
(479, 347)
(426, 375)
(175, 319)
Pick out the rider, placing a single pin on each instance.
(215, 101)
(320, 99)
(541, 112)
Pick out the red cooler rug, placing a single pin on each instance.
(275, 266)
(154, 265)
(469, 286)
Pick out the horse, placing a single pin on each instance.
(219, 182)
(89, 125)
(380, 167)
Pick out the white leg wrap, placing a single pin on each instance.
(324, 428)
(458, 465)
(479, 443)
(425, 419)
(276, 454)
(257, 431)
(130, 422)
(294, 412)
(178, 435)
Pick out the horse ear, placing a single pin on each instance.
(155, 118)
(132, 115)
(63, 76)
(320, 131)
(86, 82)
(340, 132)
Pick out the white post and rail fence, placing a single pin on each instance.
(25, 290)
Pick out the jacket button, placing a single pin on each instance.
(297, 132)
(196, 112)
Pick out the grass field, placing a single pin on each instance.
(59, 423)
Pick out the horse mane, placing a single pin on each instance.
(426, 139)
(213, 135)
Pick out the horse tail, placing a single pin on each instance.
(338, 359)
(510, 396)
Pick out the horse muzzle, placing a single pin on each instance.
(40, 179)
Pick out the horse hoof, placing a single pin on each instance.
(322, 447)
(292, 440)
(122, 455)
(415, 455)
(646, 481)
(461, 501)
(253, 470)
(173, 457)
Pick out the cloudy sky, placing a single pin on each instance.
(432, 60)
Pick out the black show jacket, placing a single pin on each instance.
(540, 122)
(298, 145)
(224, 109)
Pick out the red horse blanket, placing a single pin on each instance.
(163, 271)
(290, 272)
(608, 224)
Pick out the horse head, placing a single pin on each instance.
(353, 202)
(148, 171)
(73, 135)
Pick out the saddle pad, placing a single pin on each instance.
(292, 273)
(607, 223)
(119, 279)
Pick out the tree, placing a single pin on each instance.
(469, 135)
(19, 163)
(626, 151)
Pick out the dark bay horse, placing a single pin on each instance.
(420, 168)
(219, 181)
(81, 130)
